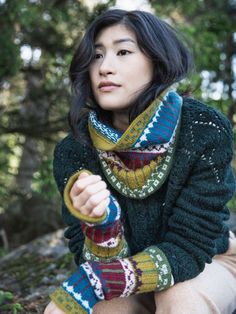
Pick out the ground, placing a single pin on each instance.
(32, 272)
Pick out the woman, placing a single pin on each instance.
(145, 177)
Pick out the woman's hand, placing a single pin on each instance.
(89, 195)
(52, 308)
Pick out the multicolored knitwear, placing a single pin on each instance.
(175, 225)
(104, 237)
(118, 278)
(105, 241)
(79, 297)
(149, 143)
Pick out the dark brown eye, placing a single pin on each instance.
(97, 55)
(123, 52)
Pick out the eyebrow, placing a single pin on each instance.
(115, 42)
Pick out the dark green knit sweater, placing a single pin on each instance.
(186, 217)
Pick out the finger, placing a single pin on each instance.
(99, 210)
(82, 183)
(89, 191)
(83, 175)
(95, 200)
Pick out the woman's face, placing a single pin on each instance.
(119, 70)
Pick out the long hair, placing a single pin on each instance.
(160, 42)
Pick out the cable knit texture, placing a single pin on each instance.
(186, 217)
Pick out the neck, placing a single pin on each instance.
(120, 120)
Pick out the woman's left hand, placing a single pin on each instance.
(52, 308)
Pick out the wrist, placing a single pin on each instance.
(105, 240)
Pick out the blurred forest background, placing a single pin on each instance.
(37, 41)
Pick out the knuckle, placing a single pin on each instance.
(104, 185)
(89, 190)
(107, 192)
(79, 186)
(93, 201)
(75, 203)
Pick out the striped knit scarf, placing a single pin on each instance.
(137, 162)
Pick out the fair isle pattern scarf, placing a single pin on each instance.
(137, 162)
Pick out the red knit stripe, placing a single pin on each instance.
(101, 235)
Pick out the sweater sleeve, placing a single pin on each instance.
(65, 164)
(197, 224)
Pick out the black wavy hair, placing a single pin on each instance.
(160, 42)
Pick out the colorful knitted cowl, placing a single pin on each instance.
(137, 162)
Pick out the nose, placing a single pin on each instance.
(107, 65)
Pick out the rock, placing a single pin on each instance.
(51, 245)
(45, 280)
(60, 277)
(34, 270)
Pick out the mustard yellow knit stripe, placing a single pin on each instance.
(99, 140)
(66, 303)
(100, 251)
(69, 204)
(136, 178)
(149, 274)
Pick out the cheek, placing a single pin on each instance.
(92, 75)
(147, 71)
(141, 70)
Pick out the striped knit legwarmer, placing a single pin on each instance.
(105, 240)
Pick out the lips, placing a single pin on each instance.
(107, 84)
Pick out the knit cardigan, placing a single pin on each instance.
(186, 217)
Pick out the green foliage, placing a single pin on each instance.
(3, 252)
(66, 261)
(209, 28)
(43, 181)
(35, 94)
(209, 36)
(7, 304)
(37, 41)
(10, 151)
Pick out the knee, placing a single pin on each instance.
(106, 307)
(179, 299)
(98, 308)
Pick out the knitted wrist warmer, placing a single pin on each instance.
(105, 241)
(143, 272)
(76, 294)
(104, 238)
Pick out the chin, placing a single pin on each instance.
(112, 104)
(113, 107)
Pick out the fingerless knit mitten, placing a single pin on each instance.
(143, 272)
(104, 238)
